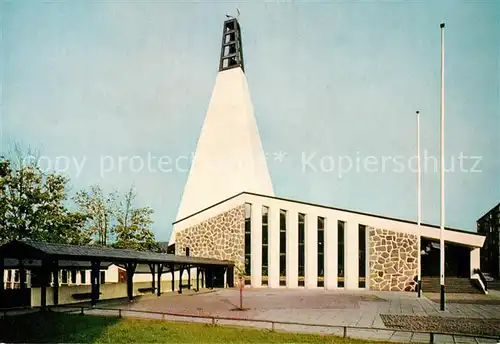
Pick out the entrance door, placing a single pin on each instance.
(230, 277)
(219, 273)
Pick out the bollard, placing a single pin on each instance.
(432, 338)
(272, 326)
(120, 312)
(213, 321)
(163, 316)
(345, 331)
(81, 311)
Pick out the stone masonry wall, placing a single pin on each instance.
(220, 237)
(393, 260)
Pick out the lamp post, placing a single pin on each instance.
(419, 209)
(441, 230)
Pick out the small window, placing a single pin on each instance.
(83, 276)
(64, 276)
(73, 276)
(103, 277)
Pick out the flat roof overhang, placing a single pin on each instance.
(459, 236)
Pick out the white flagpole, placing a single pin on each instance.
(441, 231)
(419, 209)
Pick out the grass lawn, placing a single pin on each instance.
(70, 328)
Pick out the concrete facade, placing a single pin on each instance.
(391, 244)
(229, 155)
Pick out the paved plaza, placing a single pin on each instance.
(320, 307)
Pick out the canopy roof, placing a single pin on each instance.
(12, 263)
(41, 250)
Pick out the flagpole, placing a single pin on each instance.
(419, 209)
(441, 230)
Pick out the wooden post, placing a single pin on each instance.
(172, 267)
(189, 276)
(94, 281)
(43, 285)
(180, 279)
(55, 274)
(22, 274)
(2, 270)
(197, 279)
(160, 270)
(130, 280)
(153, 284)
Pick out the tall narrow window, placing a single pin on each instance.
(302, 225)
(17, 279)
(321, 251)
(83, 276)
(248, 239)
(265, 223)
(64, 276)
(283, 247)
(9, 279)
(340, 273)
(103, 277)
(362, 256)
(73, 276)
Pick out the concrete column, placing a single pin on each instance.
(474, 260)
(292, 249)
(274, 247)
(311, 251)
(331, 253)
(256, 249)
(351, 264)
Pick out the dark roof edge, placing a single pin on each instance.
(325, 207)
(488, 212)
(207, 208)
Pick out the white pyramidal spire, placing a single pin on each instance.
(229, 157)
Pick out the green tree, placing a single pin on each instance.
(99, 210)
(33, 203)
(133, 228)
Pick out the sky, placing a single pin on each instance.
(99, 87)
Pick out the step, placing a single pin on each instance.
(452, 285)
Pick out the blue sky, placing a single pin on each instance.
(87, 80)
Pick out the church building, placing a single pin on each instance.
(229, 211)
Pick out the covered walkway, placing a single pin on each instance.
(47, 258)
